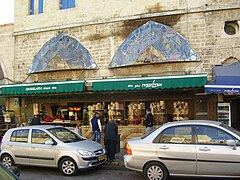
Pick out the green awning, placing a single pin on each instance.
(43, 88)
(148, 83)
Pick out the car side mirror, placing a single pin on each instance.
(49, 142)
(15, 170)
(232, 143)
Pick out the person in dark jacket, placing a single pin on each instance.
(96, 128)
(36, 120)
(149, 122)
(111, 139)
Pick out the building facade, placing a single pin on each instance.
(120, 59)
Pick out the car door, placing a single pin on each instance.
(18, 146)
(177, 150)
(39, 152)
(214, 156)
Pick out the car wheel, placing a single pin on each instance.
(68, 167)
(7, 161)
(155, 171)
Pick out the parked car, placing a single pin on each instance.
(50, 146)
(9, 174)
(186, 148)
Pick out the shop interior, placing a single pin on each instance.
(124, 113)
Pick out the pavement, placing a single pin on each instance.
(117, 162)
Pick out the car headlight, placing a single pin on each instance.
(85, 153)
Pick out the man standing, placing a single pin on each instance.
(96, 128)
(149, 122)
(111, 139)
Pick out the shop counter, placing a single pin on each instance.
(67, 123)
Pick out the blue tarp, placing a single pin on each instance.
(227, 80)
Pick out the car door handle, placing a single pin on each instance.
(163, 147)
(204, 149)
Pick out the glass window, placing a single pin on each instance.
(68, 53)
(36, 7)
(153, 43)
(19, 136)
(65, 4)
(212, 135)
(39, 136)
(178, 134)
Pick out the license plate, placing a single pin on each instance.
(102, 157)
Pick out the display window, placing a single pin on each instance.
(124, 113)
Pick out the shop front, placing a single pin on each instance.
(124, 100)
(227, 88)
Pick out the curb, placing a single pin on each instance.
(114, 166)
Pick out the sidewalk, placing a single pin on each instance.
(118, 161)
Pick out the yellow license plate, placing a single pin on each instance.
(103, 157)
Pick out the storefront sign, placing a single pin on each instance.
(40, 88)
(222, 89)
(145, 85)
(43, 88)
(148, 83)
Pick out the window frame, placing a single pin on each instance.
(14, 135)
(159, 137)
(218, 129)
(43, 133)
(40, 7)
(67, 4)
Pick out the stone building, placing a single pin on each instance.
(6, 56)
(121, 58)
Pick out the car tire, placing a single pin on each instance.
(155, 171)
(68, 167)
(7, 161)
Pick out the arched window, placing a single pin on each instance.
(153, 43)
(60, 53)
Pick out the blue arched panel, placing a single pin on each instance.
(162, 42)
(68, 49)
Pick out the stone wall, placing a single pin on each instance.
(125, 132)
(7, 50)
(204, 31)
(100, 11)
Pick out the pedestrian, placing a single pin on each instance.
(96, 127)
(149, 122)
(111, 139)
(36, 120)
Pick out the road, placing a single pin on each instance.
(102, 173)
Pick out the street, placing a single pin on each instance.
(108, 173)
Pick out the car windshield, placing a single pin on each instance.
(231, 129)
(65, 135)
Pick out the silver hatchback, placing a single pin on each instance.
(186, 148)
(50, 146)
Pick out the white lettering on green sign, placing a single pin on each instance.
(40, 88)
(146, 85)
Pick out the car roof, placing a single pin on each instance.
(37, 126)
(194, 122)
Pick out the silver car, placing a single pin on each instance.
(186, 148)
(50, 146)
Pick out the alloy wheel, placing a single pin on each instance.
(68, 167)
(7, 161)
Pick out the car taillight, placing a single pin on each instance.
(128, 149)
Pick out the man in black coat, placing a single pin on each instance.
(149, 122)
(111, 139)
